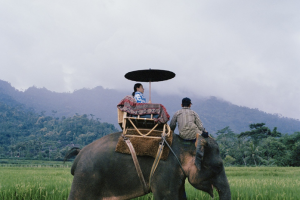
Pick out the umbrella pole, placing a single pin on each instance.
(149, 92)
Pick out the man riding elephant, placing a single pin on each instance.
(189, 123)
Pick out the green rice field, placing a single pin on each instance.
(53, 181)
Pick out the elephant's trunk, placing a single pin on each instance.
(222, 186)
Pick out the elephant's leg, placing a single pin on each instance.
(182, 194)
(83, 188)
(86, 184)
(169, 190)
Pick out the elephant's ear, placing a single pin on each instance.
(201, 143)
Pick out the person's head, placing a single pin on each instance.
(186, 102)
(138, 87)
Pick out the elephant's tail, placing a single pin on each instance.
(71, 153)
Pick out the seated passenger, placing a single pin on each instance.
(129, 105)
(138, 93)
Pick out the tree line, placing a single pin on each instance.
(259, 146)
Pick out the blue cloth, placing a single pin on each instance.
(139, 97)
(145, 116)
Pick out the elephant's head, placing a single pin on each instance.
(207, 171)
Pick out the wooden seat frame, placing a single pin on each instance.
(125, 122)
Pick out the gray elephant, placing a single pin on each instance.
(101, 173)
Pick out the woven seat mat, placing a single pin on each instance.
(144, 146)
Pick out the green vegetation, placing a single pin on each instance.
(25, 134)
(246, 183)
(35, 183)
(264, 182)
(259, 147)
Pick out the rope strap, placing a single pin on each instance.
(137, 165)
(146, 188)
(156, 161)
(175, 156)
(138, 129)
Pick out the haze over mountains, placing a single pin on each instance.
(101, 103)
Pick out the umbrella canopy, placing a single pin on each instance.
(150, 75)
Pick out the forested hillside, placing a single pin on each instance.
(214, 112)
(26, 134)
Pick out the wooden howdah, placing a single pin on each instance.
(144, 134)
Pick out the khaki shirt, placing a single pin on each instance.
(189, 123)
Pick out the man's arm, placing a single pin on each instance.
(198, 122)
(173, 122)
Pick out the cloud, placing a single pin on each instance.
(243, 52)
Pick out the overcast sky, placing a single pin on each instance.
(245, 52)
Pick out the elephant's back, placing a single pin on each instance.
(98, 151)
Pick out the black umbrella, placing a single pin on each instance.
(150, 75)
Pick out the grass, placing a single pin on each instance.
(46, 182)
(34, 183)
(264, 182)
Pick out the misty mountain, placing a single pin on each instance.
(101, 103)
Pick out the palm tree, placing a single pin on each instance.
(253, 152)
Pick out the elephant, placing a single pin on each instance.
(102, 173)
